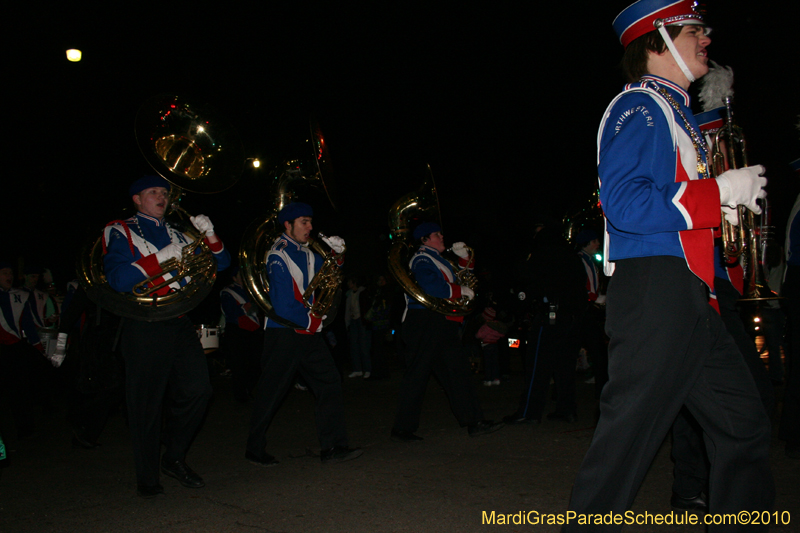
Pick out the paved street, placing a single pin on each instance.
(443, 484)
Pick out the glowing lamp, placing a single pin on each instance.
(73, 55)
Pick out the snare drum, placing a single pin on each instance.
(209, 337)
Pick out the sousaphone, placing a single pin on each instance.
(194, 150)
(423, 204)
(290, 180)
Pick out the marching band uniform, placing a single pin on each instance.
(42, 306)
(16, 318)
(159, 356)
(17, 356)
(789, 428)
(668, 347)
(433, 346)
(593, 336)
(243, 339)
(233, 300)
(557, 282)
(291, 265)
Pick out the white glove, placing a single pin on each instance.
(336, 243)
(731, 214)
(466, 291)
(461, 250)
(742, 186)
(203, 224)
(61, 350)
(170, 251)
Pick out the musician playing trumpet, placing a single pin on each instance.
(668, 348)
(162, 355)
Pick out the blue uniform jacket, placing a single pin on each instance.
(290, 268)
(652, 196)
(131, 246)
(233, 300)
(435, 275)
(16, 317)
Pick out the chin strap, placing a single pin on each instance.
(674, 51)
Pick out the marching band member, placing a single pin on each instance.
(43, 307)
(163, 354)
(291, 265)
(433, 344)
(244, 337)
(17, 357)
(668, 346)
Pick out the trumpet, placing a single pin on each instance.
(745, 242)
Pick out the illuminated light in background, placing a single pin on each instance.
(598, 258)
(256, 163)
(513, 343)
(73, 55)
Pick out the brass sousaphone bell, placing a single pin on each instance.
(423, 204)
(193, 149)
(288, 180)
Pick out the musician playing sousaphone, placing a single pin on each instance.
(288, 349)
(159, 355)
(432, 340)
(669, 348)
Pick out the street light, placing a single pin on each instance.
(73, 55)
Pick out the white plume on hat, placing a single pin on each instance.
(716, 86)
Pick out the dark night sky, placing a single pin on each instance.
(502, 101)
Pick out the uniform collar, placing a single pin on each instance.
(152, 220)
(428, 250)
(675, 90)
(289, 239)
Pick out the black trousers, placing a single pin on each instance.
(433, 347)
(551, 354)
(19, 364)
(688, 451)
(789, 429)
(285, 354)
(163, 359)
(668, 349)
(242, 350)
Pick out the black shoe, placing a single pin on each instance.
(698, 504)
(149, 491)
(181, 471)
(564, 417)
(265, 460)
(339, 454)
(514, 419)
(484, 427)
(405, 436)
